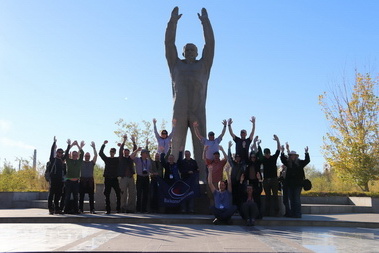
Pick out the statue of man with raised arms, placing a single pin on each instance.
(189, 83)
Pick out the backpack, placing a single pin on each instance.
(49, 167)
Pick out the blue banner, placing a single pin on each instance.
(173, 195)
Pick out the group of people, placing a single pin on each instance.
(248, 172)
(70, 175)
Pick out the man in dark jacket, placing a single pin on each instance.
(294, 179)
(110, 177)
(57, 171)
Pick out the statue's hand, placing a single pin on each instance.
(204, 14)
(175, 16)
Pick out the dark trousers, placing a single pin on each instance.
(87, 185)
(249, 210)
(295, 202)
(55, 193)
(225, 213)
(286, 201)
(142, 186)
(110, 183)
(257, 191)
(71, 187)
(154, 200)
(271, 187)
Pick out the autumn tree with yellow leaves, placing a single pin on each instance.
(351, 145)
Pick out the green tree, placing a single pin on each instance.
(351, 144)
(26, 178)
(141, 133)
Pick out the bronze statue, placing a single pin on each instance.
(189, 83)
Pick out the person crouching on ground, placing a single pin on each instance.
(223, 208)
(248, 209)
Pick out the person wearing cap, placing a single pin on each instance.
(143, 169)
(242, 143)
(74, 165)
(164, 139)
(87, 181)
(212, 142)
(57, 171)
(110, 178)
(294, 179)
(270, 180)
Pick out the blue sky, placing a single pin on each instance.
(71, 69)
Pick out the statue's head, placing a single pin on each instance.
(190, 52)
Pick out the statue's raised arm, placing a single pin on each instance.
(209, 47)
(171, 51)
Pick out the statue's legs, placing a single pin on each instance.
(180, 135)
(198, 150)
(179, 140)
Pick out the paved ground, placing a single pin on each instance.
(157, 233)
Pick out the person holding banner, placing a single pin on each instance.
(187, 168)
(223, 208)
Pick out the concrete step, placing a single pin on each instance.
(41, 216)
(42, 203)
(305, 208)
(332, 209)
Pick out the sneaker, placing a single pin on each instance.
(93, 211)
(216, 221)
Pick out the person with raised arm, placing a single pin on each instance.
(242, 143)
(164, 139)
(270, 178)
(56, 169)
(212, 142)
(74, 165)
(253, 176)
(87, 182)
(223, 208)
(126, 173)
(143, 169)
(294, 179)
(110, 178)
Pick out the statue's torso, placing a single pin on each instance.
(189, 82)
